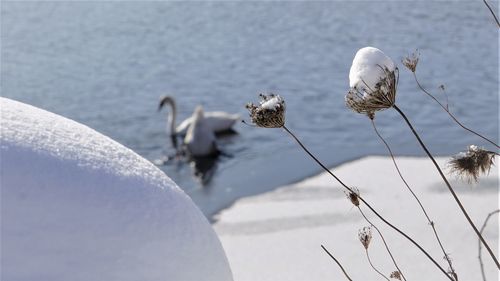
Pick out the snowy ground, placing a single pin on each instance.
(76, 205)
(277, 235)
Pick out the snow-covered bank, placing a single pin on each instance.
(76, 205)
(277, 235)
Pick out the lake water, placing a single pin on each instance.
(105, 64)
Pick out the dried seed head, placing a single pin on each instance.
(365, 236)
(396, 275)
(367, 100)
(468, 165)
(353, 196)
(270, 113)
(411, 61)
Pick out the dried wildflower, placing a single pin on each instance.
(365, 236)
(411, 61)
(270, 113)
(471, 163)
(373, 80)
(367, 100)
(396, 275)
(353, 196)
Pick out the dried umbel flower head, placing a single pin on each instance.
(396, 275)
(411, 61)
(353, 196)
(471, 163)
(373, 81)
(365, 236)
(382, 96)
(270, 113)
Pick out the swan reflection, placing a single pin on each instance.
(204, 168)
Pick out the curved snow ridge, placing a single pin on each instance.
(77, 205)
(66, 139)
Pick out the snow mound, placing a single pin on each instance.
(367, 68)
(76, 205)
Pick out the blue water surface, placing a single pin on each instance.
(105, 64)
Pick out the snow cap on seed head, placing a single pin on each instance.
(368, 66)
(270, 113)
(373, 81)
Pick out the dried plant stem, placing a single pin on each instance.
(493, 13)
(368, 205)
(431, 223)
(449, 186)
(374, 268)
(493, 152)
(479, 243)
(445, 108)
(338, 263)
(383, 240)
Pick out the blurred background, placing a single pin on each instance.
(106, 65)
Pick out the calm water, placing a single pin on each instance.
(105, 64)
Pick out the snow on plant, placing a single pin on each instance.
(270, 113)
(373, 80)
(368, 68)
(373, 89)
(468, 165)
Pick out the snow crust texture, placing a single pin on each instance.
(277, 235)
(367, 68)
(77, 205)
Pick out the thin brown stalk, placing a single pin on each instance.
(338, 263)
(383, 240)
(449, 186)
(431, 223)
(445, 108)
(493, 13)
(374, 268)
(493, 152)
(368, 205)
(479, 243)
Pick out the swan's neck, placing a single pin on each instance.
(171, 117)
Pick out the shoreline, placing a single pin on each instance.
(276, 235)
(309, 170)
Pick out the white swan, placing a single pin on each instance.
(217, 121)
(200, 139)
